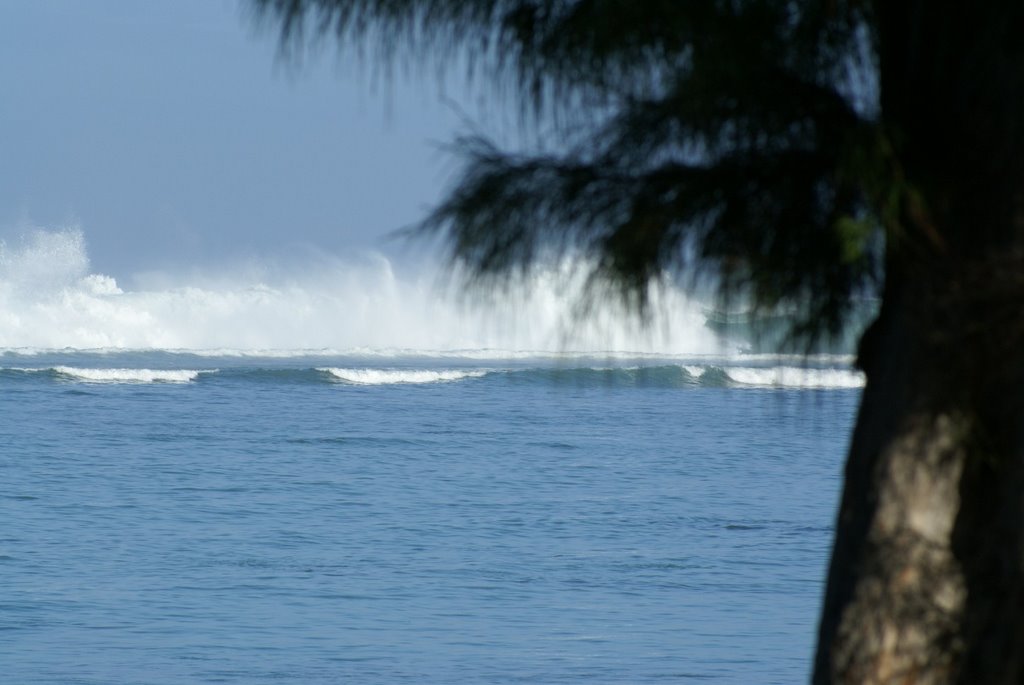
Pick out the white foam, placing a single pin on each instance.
(394, 376)
(796, 377)
(50, 299)
(129, 375)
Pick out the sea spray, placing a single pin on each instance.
(42, 261)
(50, 299)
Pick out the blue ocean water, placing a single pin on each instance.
(467, 517)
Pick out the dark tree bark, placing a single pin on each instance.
(926, 583)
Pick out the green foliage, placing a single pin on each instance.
(730, 140)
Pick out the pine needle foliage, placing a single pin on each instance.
(730, 141)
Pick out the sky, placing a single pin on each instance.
(173, 133)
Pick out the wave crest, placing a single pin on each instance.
(129, 375)
(395, 376)
(796, 377)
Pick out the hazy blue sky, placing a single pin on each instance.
(171, 133)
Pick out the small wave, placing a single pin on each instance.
(795, 377)
(663, 376)
(128, 375)
(18, 373)
(711, 376)
(395, 376)
(696, 375)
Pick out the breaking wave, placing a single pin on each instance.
(796, 377)
(540, 372)
(128, 375)
(97, 375)
(391, 376)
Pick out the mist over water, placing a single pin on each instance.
(51, 299)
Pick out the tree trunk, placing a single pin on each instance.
(926, 583)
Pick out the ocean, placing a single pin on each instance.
(222, 482)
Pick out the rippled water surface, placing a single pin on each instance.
(172, 518)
